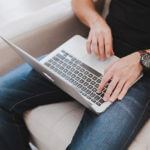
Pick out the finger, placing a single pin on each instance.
(117, 91)
(88, 44)
(104, 81)
(124, 90)
(111, 88)
(108, 44)
(101, 47)
(95, 45)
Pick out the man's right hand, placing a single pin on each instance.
(100, 39)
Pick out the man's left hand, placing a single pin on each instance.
(122, 73)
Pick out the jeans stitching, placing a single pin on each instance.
(29, 99)
(135, 126)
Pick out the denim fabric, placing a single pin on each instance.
(23, 89)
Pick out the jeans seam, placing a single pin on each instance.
(135, 126)
(29, 99)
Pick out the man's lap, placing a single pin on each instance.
(23, 89)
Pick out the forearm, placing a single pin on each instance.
(86, 12)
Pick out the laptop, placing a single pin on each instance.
(73, 70)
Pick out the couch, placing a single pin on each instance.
(52, 126)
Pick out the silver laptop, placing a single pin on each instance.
(73, 70)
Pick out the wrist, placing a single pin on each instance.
(138, 59)
(97, 19)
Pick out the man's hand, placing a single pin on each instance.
(122, 73)
(100, 39)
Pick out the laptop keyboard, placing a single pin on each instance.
(79, 74)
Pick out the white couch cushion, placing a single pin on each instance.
(53, 126)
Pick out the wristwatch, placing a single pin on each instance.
(145, 60)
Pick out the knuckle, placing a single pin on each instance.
(108, 31)
(88, 42)
(107, 44)
(101, 47)
(94, 43)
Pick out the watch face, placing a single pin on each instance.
(145, 59)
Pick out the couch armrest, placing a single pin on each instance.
(39, 33)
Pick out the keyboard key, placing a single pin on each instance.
(93, 82)
(90, 87)
(97, 97)
(78, 67)
(102, 95)
(101, 101)
(69, 73)
(94, 90)
(65, 70)
(77, 62)
(47, 64)
(66, 60)
(98, 103)
(86, 72)
(85, 84)
(52, 67)
(71, 80)
(68, 67)
(72, 69)
(93, 100)
(50, 60)
(73, 75)
(74, 65)
(75, 83)
(83, 88)
(91, 70)
(94, 78)
(77, 78)
(56, 58)
(80, 74)
(84, 77)
(61, 68)
(60, 62)
(90, 75)
(92, 94)
(88, 80)
(82, 70)
(81, 81)
(88, 91)
(76, 71)
(97, 85)
(98, 81)
(64, 65)
(60, 56)
(79, 86)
